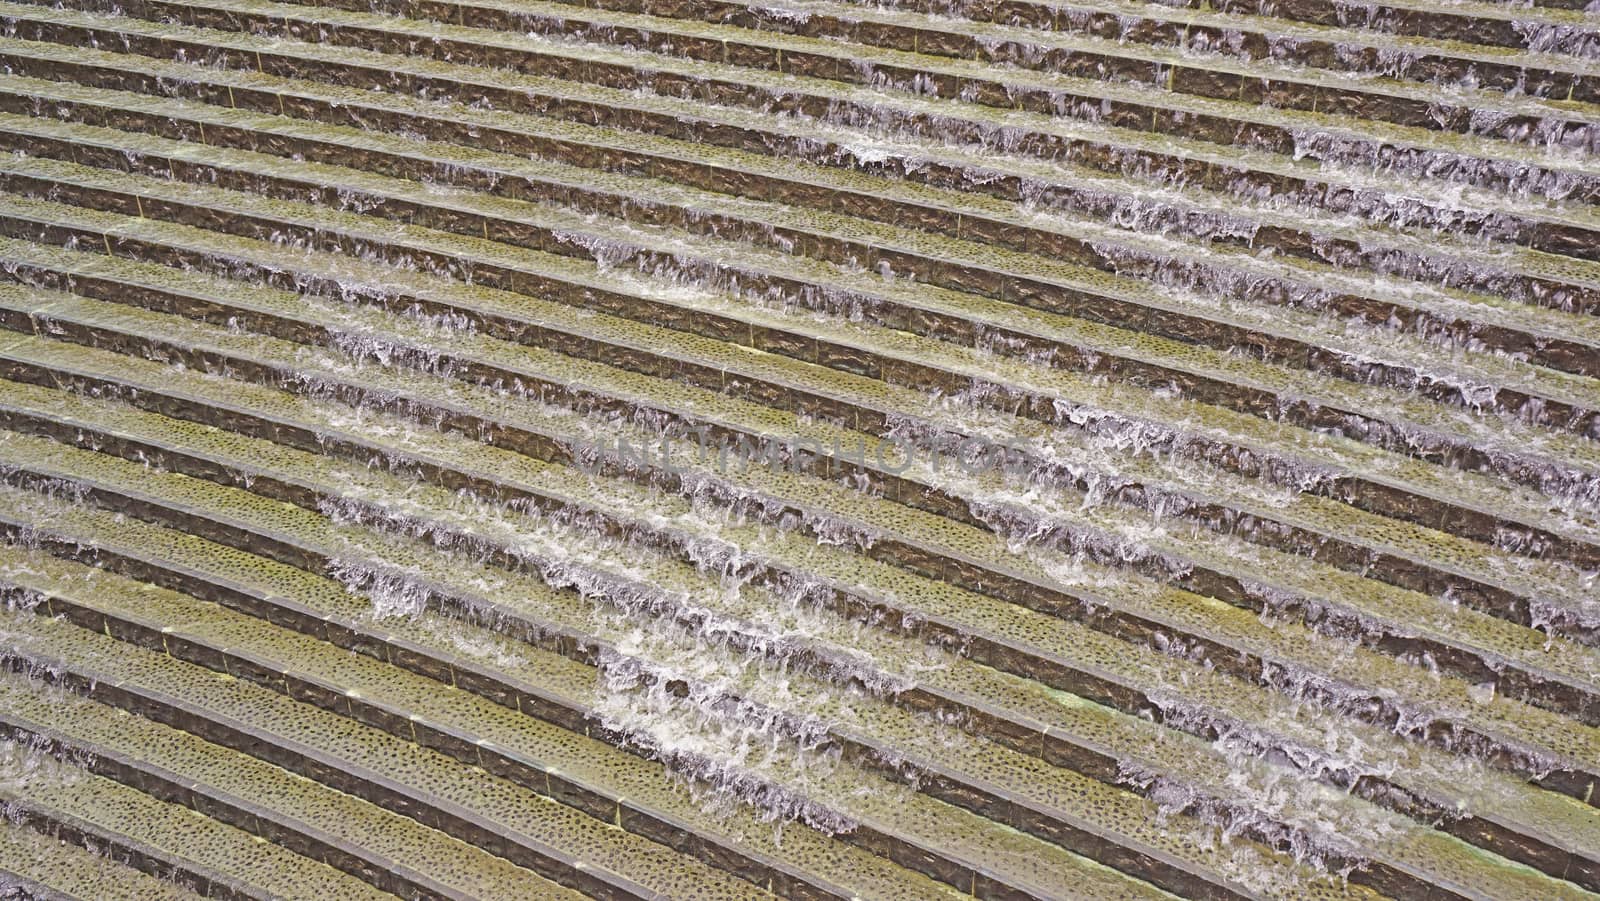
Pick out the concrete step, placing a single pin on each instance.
(1543, 28)
(183, 770)
(36, 865)
(191, 631)
(1012, 859)
(794, 378)
(1552, 398)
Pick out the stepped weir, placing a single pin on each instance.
(710, 449)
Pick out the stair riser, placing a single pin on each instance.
(148, 860)
(1403, 572)
(886, 549)
(164, 786)
(510, 766)
(375, 789)
(1563, 698)
(1490, 835)
(1438, 23)
(1235, 43)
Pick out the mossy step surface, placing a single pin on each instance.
(1557, 234)
(34, 865)
(1537, 733)
(99, 424)
(1399, 475)
(216, 566)
(821, 440)
(1542, 28)
(1219, 626)
(1429, 859)
(1003, 175)
(1565, 400)
(418, 782)
(1129, 747)
(970, 117)
(181, 768)
(463, 690)
(1018, 860)
(1491, 569)
(848, 503)
(145, 843)
(1181, 73)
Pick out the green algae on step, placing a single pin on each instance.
(410, 64)
(1426, 549)
(124, 600)
(1500, 274)
(1085, 340)
(981, 174)
(1286, 652)
(658, 389)
(1548, 818)
(1544, 657)
(45, 868)
(1399, 102)
(258, 795)
(1017, 860)
(1378, 468)
(1531, 650)
(176, 843)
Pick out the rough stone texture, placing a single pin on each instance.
(694, 448)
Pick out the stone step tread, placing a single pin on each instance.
(622, 777)
(1514, 642)
(963, 366)
(1460, 784)
(1564, 268)
(287, 797)
(1265, 19)
(1474, 491)
(635, 862)
(177, 833)
(1139, 405)
(1476, 307)
(844, 89)
(1488, 9)
(1496, 640)
(1016, 858)
(1184, 18)
(1489, 565)
(1443, 859)
(1192, 149)
(1086, 803)
(72, 871)
(1482, 367)
(986, 160)
(1130, 738)
(855, 51)
(1579, 391)
(1187, 613)
(1538, 730)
